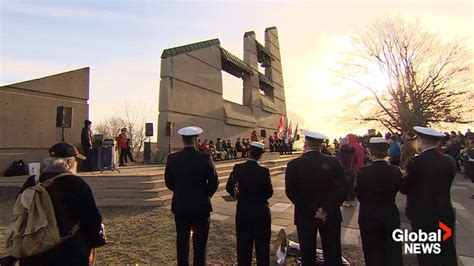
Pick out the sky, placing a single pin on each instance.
(122, 41)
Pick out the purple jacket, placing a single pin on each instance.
(348, 157)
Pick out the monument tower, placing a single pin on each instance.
(191, 89)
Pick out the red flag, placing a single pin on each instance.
(281, 126)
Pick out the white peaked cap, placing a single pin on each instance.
(378, 140)
(428, 132)
(315, 135)
(190, 131)
(257, 144)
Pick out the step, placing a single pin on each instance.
(130, 193)
(157, 201)
(138, 193)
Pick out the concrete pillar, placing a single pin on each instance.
(275, 72)
(251, 83)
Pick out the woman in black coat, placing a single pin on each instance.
(376, 188)
(251, 185)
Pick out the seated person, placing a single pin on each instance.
(205, 146)
(212, 150)
(220, 149)
(232, 151)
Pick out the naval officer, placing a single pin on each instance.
(376, 188)
(427, 185)
(192, 177)
(251, 185)
(316, 185)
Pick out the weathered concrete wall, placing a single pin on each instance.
(28, 115)
(191, 93)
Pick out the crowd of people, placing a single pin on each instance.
(223, 149)
(421, 165)
(371, 169)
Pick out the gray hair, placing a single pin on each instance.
(57, 163)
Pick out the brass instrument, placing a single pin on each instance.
(285, 248)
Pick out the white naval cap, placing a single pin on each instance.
(378, 140)
(257, 144)
(428, 132)
(315, 135)
(190, 131)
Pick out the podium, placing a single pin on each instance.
(107, 156)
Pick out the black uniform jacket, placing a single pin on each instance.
(73, 203)
(376, 188)
(192, 177)
(427, 186)
(86, 138)
(314, 181)
(255, 188)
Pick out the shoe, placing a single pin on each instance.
(471, 197)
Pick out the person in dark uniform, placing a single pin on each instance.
(86, 144)
(192, 177)
(251, 185)
(427, 185)
(316, 185)
(376, 188)
(73, 204)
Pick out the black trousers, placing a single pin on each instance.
(448, 249)
(86, 164)
(379, 246)
(330, 239)
(129, 155)
(200, 230)
(250, 230)
(350, 191)
(123, 156)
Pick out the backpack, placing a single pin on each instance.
(34, 229)
(17, 168)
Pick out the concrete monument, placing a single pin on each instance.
(191, 89)
(28, 115)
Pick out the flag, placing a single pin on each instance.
(289, 130)
(286, 136)
(281, 127)
(296, 132)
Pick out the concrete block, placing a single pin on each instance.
(212, 128)
(211, 56)
(251, 59)
(274, 76)
(190, 70)
(31, 120)
(274, 50)
(186, 98)
(250, 45)
(272, 36)
(70, 84)
(278, 92)
(276, 64)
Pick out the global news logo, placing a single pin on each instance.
(420, 242)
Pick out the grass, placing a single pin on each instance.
(146, 235)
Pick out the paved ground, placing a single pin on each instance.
(282, 215)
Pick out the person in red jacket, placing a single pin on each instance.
(123, 145)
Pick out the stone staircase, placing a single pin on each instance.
(144, 185)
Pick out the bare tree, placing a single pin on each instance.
(406, 76)
(130, 117)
